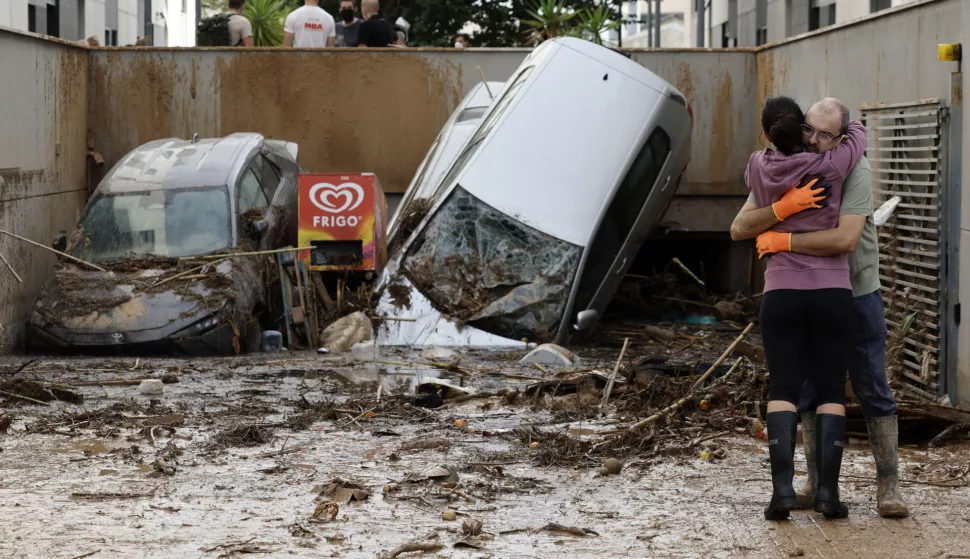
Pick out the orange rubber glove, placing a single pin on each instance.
(771, 242)
(801, 197)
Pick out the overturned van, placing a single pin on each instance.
(545, 207)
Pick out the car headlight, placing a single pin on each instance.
(200, 327)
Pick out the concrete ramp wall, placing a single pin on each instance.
(43, 185)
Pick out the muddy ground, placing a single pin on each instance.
(263, 455)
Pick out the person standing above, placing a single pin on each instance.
(374, 32)
(463, 41)
(240, 29)
(348, 28)
(309, 26)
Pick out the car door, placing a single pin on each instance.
(620, 233)
(285, 200)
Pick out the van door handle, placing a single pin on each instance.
(621, 266)
(666, 183)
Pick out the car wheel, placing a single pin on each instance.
(254, 337)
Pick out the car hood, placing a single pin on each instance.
(86, 302)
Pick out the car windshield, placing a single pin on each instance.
(491, 271)
(166, 223)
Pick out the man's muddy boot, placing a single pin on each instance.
(884, 441)
(805, 497)
(782, 428)
(829, 443)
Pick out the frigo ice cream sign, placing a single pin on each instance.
(344, 219)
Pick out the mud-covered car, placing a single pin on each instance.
(165, 201)
(545, 207)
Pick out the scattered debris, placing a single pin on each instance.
(442, 472)
(342, 492)
(549, 354)
(427, 547)
(326, 511)
(244, 435)
(365, 351)
(39, 393)
(350, 330)
(439, 354)
(471, 527)
(570, 530)
(449, 516)
(950, 433)
(426, 444)
(612, 466)
(151, 387)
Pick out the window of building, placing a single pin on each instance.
(32, 18)
(761, 22)
(185, 6)
(877, 5)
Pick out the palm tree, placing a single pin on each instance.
(550, 19)
(596, 22)
(267, 17)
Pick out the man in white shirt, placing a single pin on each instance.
(309, 26)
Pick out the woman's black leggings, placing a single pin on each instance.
(808, 336)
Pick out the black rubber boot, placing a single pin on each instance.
(782, 427)
(829, 443)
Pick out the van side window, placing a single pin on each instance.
(622, 214)
(476, 140)
(249, 193)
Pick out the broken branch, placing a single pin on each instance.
(252, 253)
(9, 267)
(24, 398)
(680, 403)
(677, 261)
(185, 273)
(616, 369)
(413, 546)
(57, 252)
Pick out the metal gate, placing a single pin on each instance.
(906, 149)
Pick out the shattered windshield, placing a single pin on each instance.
(167, 223)
(488, 270)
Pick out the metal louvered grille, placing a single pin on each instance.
(906, 150)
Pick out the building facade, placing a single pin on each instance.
(640, 20)
(750, 23)
(113, 22)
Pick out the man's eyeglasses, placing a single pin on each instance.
(808, 130)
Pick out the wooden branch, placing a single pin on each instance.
(9, 267)
(253, 253)
(57, 252)
(616, 369)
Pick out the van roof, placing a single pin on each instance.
(178, 163)
(589, 113)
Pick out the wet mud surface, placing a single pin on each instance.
(291, 455)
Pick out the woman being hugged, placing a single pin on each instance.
(807, 315)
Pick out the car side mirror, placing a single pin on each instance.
(258, 228)
(60, 241)
(586, 319)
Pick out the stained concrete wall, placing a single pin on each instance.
(42, 163)
(379, 111)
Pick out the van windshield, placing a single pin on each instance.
(167, 223)
(491, 271)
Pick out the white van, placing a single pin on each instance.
(454, 135)
(545, 207)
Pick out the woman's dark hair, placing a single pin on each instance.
(782, 119)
